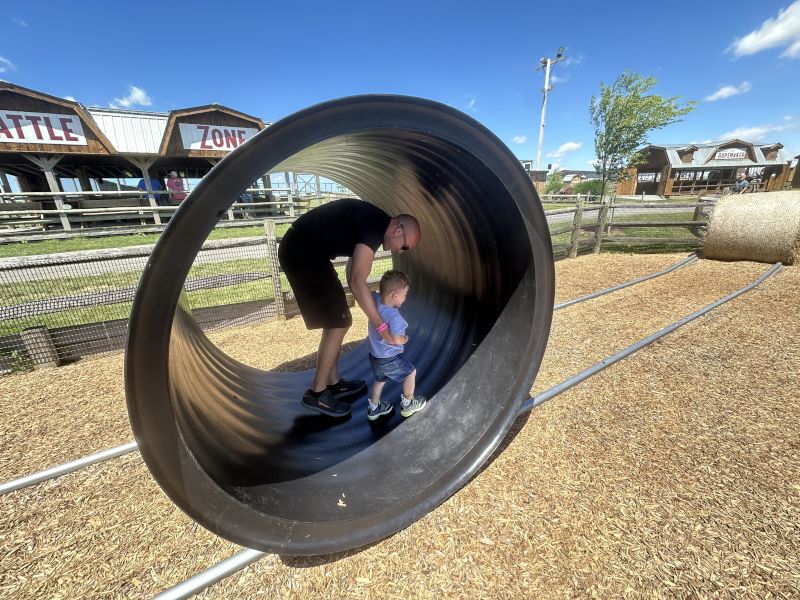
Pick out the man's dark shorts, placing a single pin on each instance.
(314, 281)
(395, 368)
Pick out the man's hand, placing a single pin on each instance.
(361, 265)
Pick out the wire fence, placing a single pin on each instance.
(57, 308)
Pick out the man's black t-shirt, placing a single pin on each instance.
(335, 228)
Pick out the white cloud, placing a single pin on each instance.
(572, 60)
(554, 167)
(592, 163)
(727, 91)
(471, 103)
(520, 139)
(70, 98)
(557, 79)
(757, 133)
(565, 149)
(6, 65)
(136, 97)
(783, 30)
(19, 22)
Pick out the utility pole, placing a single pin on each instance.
(546, 64)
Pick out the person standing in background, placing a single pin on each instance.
(177, 192)
(155, 185)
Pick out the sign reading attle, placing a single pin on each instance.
(730, 153)
(214, 137)
(40, 128)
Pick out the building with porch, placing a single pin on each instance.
(54, 145)
(706, 168)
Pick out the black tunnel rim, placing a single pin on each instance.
(146, 365)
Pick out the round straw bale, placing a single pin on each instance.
(763, 227)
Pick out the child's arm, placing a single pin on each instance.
(397, 328)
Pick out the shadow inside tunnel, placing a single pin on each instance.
(309, 361)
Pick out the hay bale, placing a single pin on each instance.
(763, 227)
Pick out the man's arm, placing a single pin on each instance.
(361, 265)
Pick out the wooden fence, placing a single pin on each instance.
(42, 329)
(23, 215)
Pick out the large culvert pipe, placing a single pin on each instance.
(232, 446)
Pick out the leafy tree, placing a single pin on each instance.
(555, 182)
(622, 115)
(593, 187)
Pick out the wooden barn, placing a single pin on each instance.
(50, 144)
(693, 169)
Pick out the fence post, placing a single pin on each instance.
(613, 206)
(40, 347)
(291, 203)
(274, 267)
(576, 229)
(601, 223)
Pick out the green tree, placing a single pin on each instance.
(622, 115)
(555, 181)
(592, 187)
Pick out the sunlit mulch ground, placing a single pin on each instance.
(674, 473)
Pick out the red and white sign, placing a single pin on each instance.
(214, 137)
(22, 127)
(730, 154)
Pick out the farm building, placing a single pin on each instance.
(675, 169)
(51, 144)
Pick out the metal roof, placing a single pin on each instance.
(131, 131)
(703, 156)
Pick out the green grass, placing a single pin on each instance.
(260, 289)
(33, 248)
(665, 232)
(30, 291)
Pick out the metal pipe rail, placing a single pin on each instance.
(116, 193)
(69, 467)
(616, 357)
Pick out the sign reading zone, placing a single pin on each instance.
(214, 137)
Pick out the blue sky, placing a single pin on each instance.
(740, 59)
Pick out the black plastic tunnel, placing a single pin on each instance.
(232, 446)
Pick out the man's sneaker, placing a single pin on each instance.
(347, 387)
(417, 404)
(384, 408)
(325, 404)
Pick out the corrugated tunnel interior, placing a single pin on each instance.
(231, 444)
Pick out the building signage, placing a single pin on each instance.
(23, 127)
(222, 138)
(730, 154)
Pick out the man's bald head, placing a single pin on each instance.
(402, 234)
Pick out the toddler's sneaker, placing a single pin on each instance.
(384, 408)
(417, 404)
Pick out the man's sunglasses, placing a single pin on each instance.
(404, 247)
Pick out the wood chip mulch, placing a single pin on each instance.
(674, 473)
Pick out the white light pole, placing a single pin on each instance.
(546, 64)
